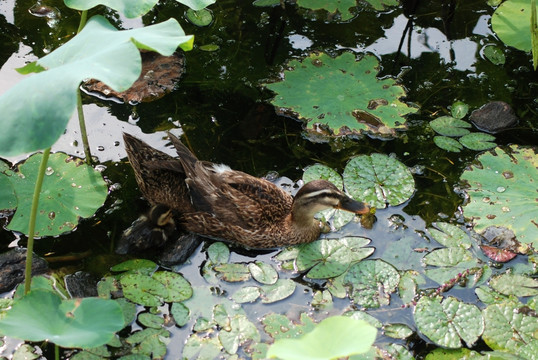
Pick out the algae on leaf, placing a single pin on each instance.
(503, 192)
(341, 94)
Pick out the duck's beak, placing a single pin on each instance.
(353, 206)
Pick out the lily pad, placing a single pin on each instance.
(398, 331)
(448, 322)
(511, 22)
(514, 284)
(449, 126)
(240, 330)
(378, 180)
(507, 328)
(278, 291)
(218, 253)
(42, 315)
(371, 282)
(233, 272)
(203, 17)
(263, 273)
(332, 6)
(459, 109)
(503, 192)
(341, 94)
(478, 141)
(71, 190)
(348, 337)
(494, 54)
(450, 235)
(330, 258)
(448, 144)
(246, 294)
(150, 342)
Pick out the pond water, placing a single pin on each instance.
(222, 111)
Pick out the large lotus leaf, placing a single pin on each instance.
(378, 180)
(332, 6)
(342, 94)
(445, 323)
(71, 190)
(503, 192)
(348, 337)
(132, 8)
(511, 22)
(42, 315)
(507, 328)
(36, 110)
(371, 282)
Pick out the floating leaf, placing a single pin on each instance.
(151, 320)
(42, 315)
(150, 342)
(142, 266)
(142, 289)
(246, 294)
(330, 258)
(32, 121)
(382, 4)
(180, 313)
(397, 331)
(447, 143)
(279, 326)
(278, 291)
(478, 141)
(318, 171)
(348, 337)
(378, 180)
(177, 287)
(496, 254)
(459, 109)
(371, 282)
(445, 323)
(514, 284)
(503, 192)
(508, 329)
(494, 54)
(449, 126)
(342, 94)
(201, 347)
(263, 273)
(241, 329)
(407, 287)
(233, 272)
(203, 17)
(341, 6)
(450, 235)
(218, 253)
(511, 22)
(71, 190)
(451, 262)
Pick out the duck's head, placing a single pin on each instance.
(319, 195)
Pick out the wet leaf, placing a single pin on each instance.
(348, 337)
(279, 326)
(218, 253)
(378, 180)
(178, 289)
(371, 282)
(330, 258)
(489, 296)
(511, 22)
(459, 109)
(151, 320)
(278, 291)
(203, 17)
(43, 315)
(397, 331)
(233, 272)
(100, 52)
(514, 284)
(246, 294)
(263, 273)
(150, 342)
(448, 322)
(494, 54)
(241, 331)
(342, 94)
(142, 289)
(478, 141)
(202, 348)
(507, 329)
(407, 287)
(450, 256)
(450, 235)
(180, 313)
(322, 300)
(447, 143)
(503, 192)
(71, 190)
(449, 126)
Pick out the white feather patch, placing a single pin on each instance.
(220, 168)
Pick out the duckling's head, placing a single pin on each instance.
(319, 195)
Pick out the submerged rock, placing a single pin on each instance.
(494, 117)
(12, 268)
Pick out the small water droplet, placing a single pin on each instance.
(73, 185)
(505, 209)
(49, 171)
(501, 189)
(52, 215)
(100, 168)
(115, 186)
(77, 208)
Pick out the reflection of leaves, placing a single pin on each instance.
(503, 191)
(446, 322)
(342, 94)
(378, 180)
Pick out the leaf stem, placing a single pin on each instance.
(83, 18)
(33, 214)
(83, 132)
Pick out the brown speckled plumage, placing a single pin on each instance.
(217, 202)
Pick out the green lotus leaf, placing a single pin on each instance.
(71, 190)
(241, 330)
(246, 294)
(448, 144)
(263, 273)
(511, 22)
(142, 266)
(180, 313)
(448, 322)
(131, 9)
(514, 284)
(503, 192)
(449, 257)
(150, 320)
(341, 94)
(150, 342)
(37, 109)
(330, 258)
(277, 291)
(459, 109)
(507, 328)
(233, 272)
(201, 347)
(202, 17)
(405, 245)
(218, 253)
(398, 331)
(449, 126)
(279, 326)
(450, 235)
(382, 4)
(348, 337)
(371, 282)
(142, 289)
(332, 6)
(178, 289)
(478, 141)
(378, 180)
(42, 315)
(494, 54)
